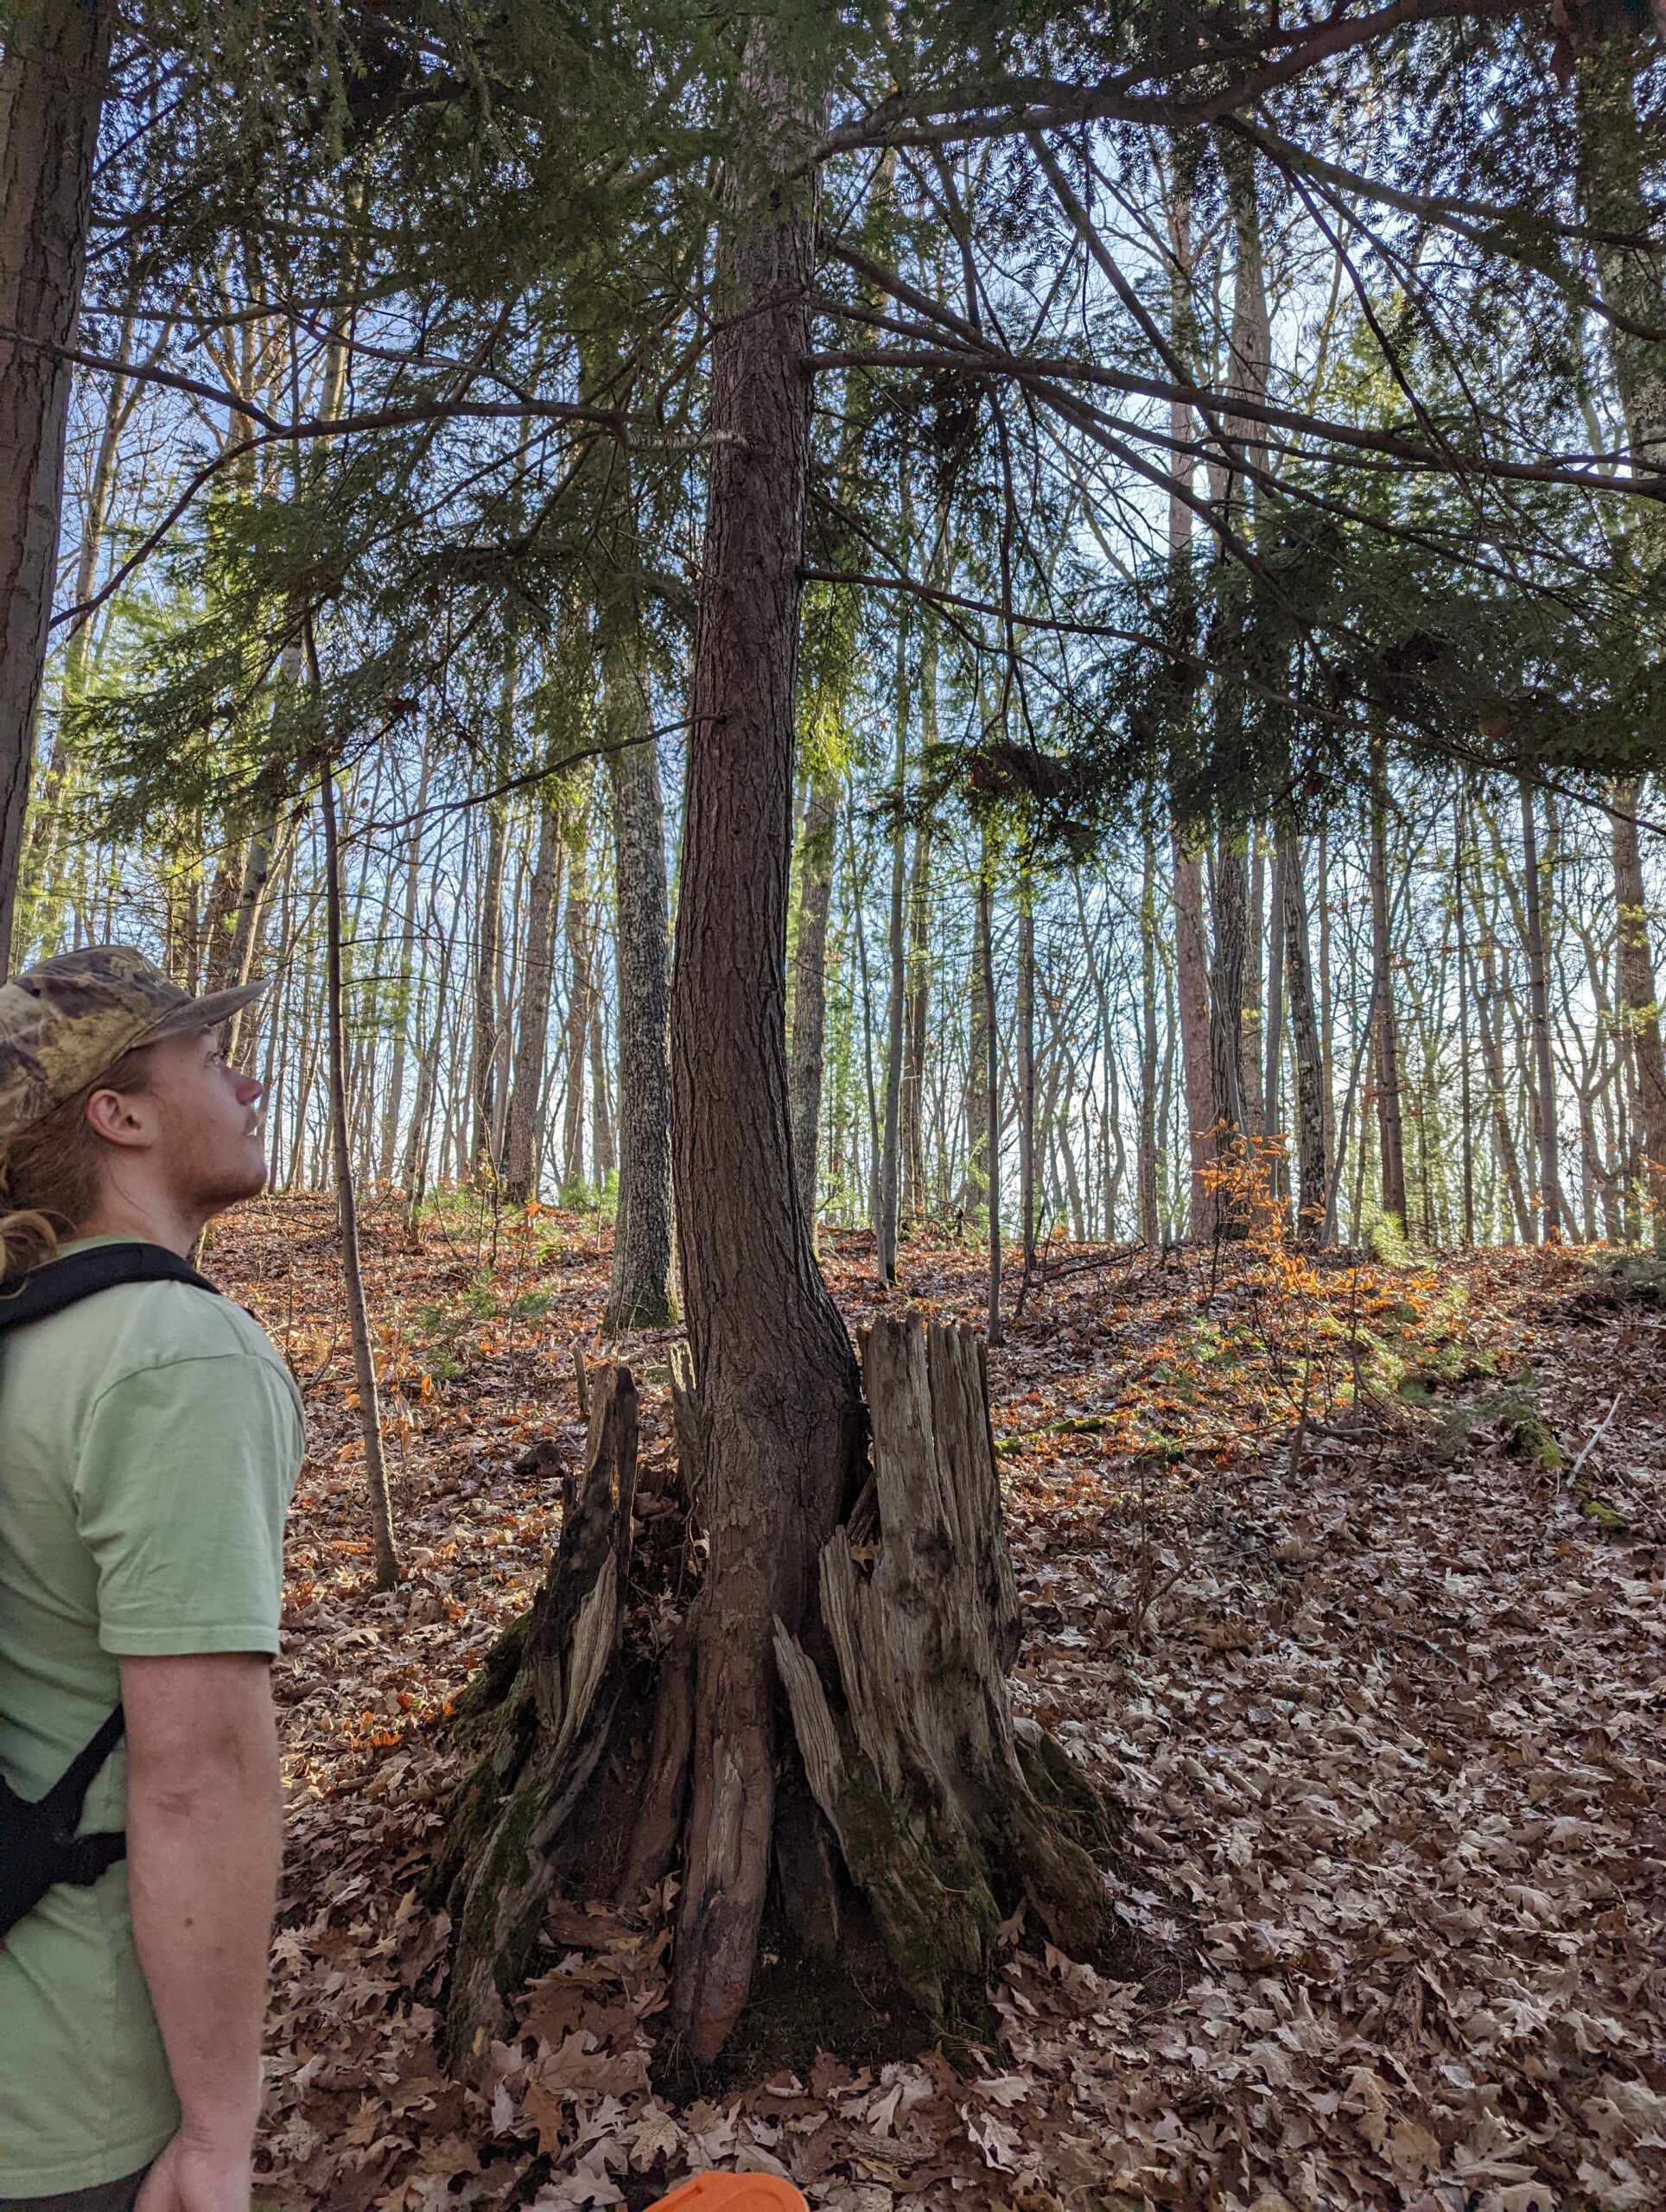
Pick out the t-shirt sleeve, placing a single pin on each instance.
(185, 1477)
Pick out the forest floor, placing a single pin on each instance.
(1387, 1722)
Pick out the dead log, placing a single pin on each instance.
(948, 1814)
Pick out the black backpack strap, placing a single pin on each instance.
(56, 1284)
(62, 1802)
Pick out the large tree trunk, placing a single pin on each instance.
(774, 1364)
(52, 89)
(805, 1064)
(1635, 995)
(639, 1296)
(526, 1122)
(907, 1756)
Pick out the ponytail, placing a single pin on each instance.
(52, 1173)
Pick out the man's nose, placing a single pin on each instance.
(248, 1091)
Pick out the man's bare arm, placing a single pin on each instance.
(203, 1841)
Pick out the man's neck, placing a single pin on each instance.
(148, 1221)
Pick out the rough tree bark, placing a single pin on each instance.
(539, 1714)
(775, 1368)
(774, 1453)
(915, 1789)
(53, 76)
(946, 1812)
(640, 1295)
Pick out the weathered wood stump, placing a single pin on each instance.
(949, 1815)
(541, 1709)
(906, 1784)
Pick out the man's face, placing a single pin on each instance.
(205, 1122)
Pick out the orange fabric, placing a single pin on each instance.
(732, 2193)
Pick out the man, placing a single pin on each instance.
(150, 1441)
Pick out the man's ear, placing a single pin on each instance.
(110, 1115)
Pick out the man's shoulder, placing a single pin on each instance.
(137, 1328)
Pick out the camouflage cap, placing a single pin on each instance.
(64, 1022)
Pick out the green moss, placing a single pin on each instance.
(931, 1896)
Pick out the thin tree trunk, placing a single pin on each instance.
(991, 1079)
(974, 1191)
(1635, 995)
(1312, 1167)
(917, 1025)
(521, 1146)
(1147, 1159)
(1191, 984)
(53, 78)
(420, 1144)
(388, 1570)
(582, 996)
(1539, 1005)
(1026, 1071)
(1253, 1056)
(1277, 1169)
(887, 1182)
(602, 1094)
(1503, 1141)
(807, 1059)
(1226, 994)
(1465, 1100)
(396, 1092)
(488, 963)
(1386, 1036)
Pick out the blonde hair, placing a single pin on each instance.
(50, 1173)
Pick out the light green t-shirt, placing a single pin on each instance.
(150, 1441)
